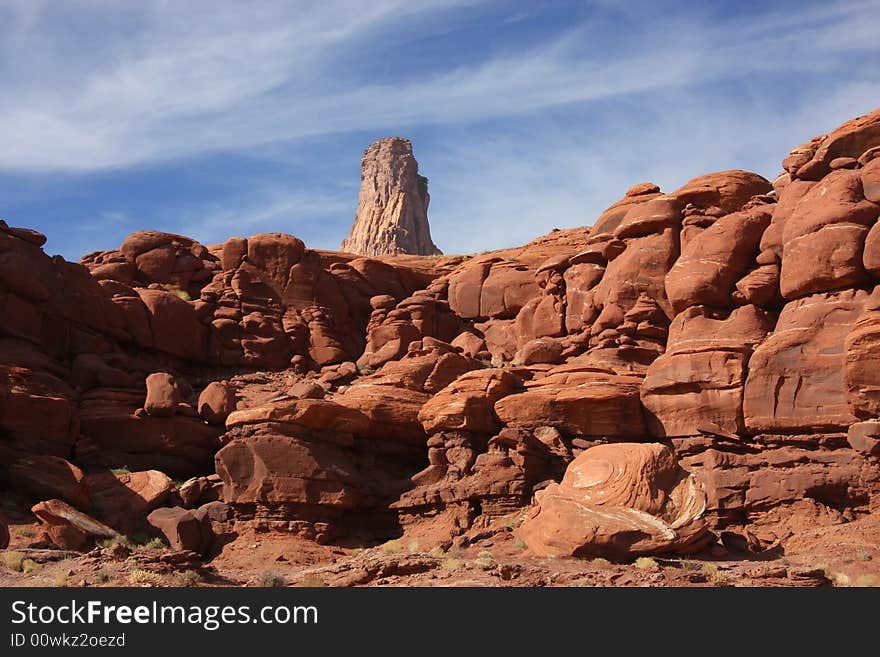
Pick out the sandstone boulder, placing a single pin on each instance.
(124, 498)
(67, 528)
(184, 529)
(467, 404)
(44, 477)
(578, 403)
(163, 395)
(620, 501)
(216, 402)
(712, 262)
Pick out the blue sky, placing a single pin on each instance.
(229, 118)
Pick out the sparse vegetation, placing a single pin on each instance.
(312, 582)
(452, 564)
(414, 547)
(601, 561)
(867, 580)
(272, 579)
(188, 578)
(392, 547)
(24, 532)
(582, 583)
(181, 294)
(13, 560)
(485, 560)
(29, 565)
(103, 576)
(142, 577)
(154, 544)
(123, 470)
(863, 555)
(646, 563)
(365, 370)
(113, 540)
(521, 544)
(714, 575)
(438, 552)
(841, 579)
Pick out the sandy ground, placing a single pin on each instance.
(846, 554)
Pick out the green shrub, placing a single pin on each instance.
(154, 544)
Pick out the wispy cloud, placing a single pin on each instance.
(200, 77)
(520, 134)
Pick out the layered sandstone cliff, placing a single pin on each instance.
(697, 361)
(392, 213)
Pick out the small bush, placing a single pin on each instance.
(415, 548)
(29, 565)
(154, 544)
(13, 560)
(271, 579)
(24, 532)
(392, 547)
(714, 575)
(123, 470)
(140, 577)
(601, 561)
(646, 563)
(365, 370)
(521, 544)
(181, 294)
(188, 578)
(863, 555)
(438, 552)
(485, 560)
(452, 564)
(720, 579)
(841, 579)
(103, 576)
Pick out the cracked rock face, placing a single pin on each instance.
(392, 214)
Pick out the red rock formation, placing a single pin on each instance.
(327, 395)
(392, 213)
(618, 500)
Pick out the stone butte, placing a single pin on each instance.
(392, 214)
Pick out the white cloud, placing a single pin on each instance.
(178, 79)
